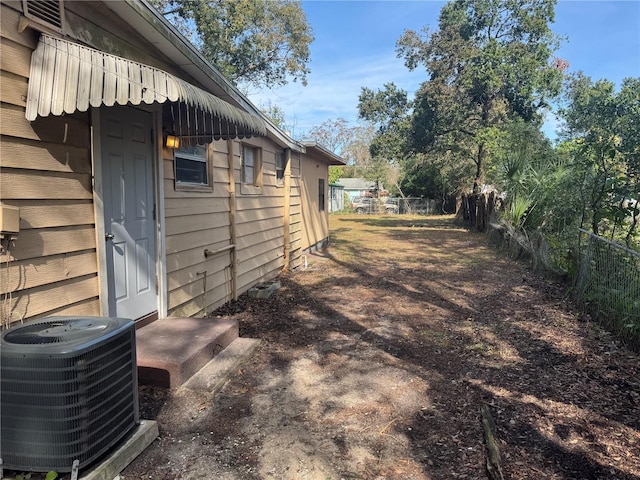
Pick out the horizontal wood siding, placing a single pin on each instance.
(45, 171)
(260, 222)
(196, 221)
(295, 224)
(315, 222)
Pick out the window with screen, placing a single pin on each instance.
(192, 166)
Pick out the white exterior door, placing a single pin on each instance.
(128, 202)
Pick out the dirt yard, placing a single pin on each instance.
(376, 360)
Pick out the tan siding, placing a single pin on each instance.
(44, 299)
(195, 221)
(13, 89)
(46, 172)
(266, 213)
(9, 17)
(70, 129)
(29, 184)
(25, 274)
(32, 155)
(43, 242)
(201, 222)
(192, 206)
(256, 226)
(195, 289)
(15, 58)
(197, 239)
(214, 266)
(315, 223)
(56, 213)
(184, 259)
(196, 305)
(261, 236)
(90, 307)
(259, 254)
(261, 272)
(264, 201)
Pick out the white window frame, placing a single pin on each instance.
(256, 165)
(181, 154)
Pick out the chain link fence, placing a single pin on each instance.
(607, 286)
(396, 206)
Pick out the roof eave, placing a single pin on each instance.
(174, 45)
(332, 158)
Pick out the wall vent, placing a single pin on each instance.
(49, 13)
(68, 391)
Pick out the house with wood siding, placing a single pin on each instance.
(115, 219)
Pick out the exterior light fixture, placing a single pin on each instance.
(172, 141)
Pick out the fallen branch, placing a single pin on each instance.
(493, 462)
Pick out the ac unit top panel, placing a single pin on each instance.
(60, 335)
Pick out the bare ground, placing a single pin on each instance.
(376, 359)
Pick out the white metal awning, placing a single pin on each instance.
(66, 77)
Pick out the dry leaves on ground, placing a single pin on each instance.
(376, 360)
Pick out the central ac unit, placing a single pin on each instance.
(68, 391)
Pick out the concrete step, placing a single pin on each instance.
(212, 377)
(170, 350)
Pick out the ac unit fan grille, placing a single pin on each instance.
(57, 331)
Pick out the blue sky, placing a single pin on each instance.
(354, 47)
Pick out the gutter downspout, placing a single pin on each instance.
(287, 209)
(232, 218)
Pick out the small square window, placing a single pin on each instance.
(192, 166)
(280, 167)
(251, 166)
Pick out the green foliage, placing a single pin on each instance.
(488, 63)
(387, 111)
(51, 475)
(255, 42)
(335, 172)
(602, 126)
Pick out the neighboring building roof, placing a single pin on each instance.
(332, 158)
(357, 184)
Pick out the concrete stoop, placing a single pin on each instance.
(212, 377)
(171, 350)
(201, 354)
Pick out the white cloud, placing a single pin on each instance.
(333, 89)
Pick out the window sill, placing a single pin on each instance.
(185, 187)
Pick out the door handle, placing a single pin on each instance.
(109, 236)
